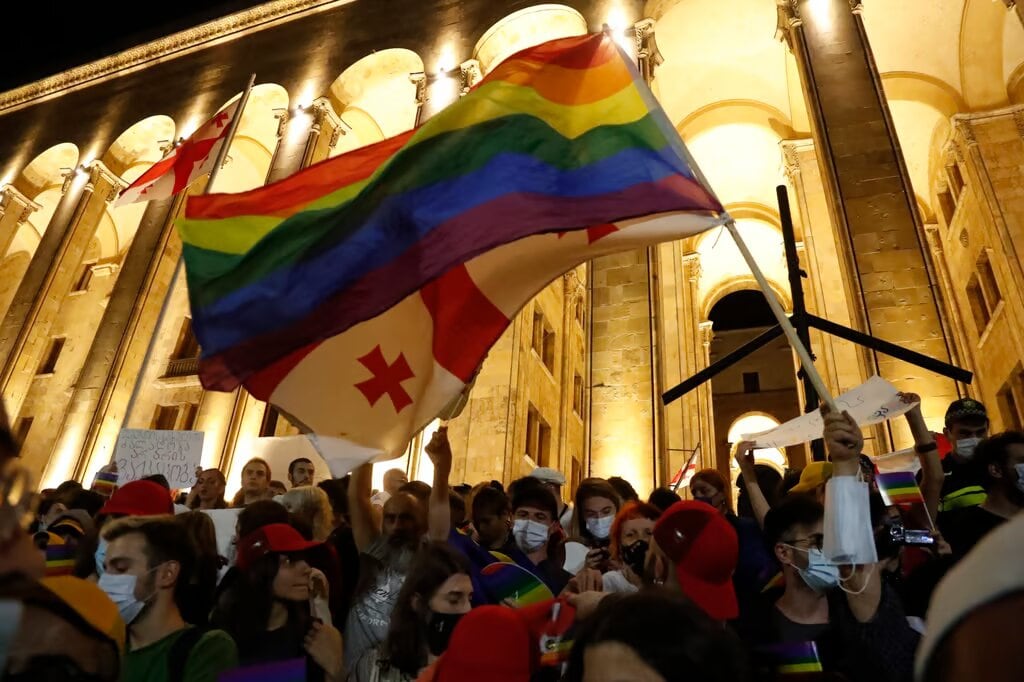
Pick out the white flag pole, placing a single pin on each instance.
(222, 154)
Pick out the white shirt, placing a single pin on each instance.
(615, 581)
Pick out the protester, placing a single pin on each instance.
(492, 519)
(554, 480)
(534, 514)
(490, 643)
(311, 505)
(436, 594)
(343, 543)
(457, 509)
(755, 566)
(1000, 459)
(663, 498)
(394, 479)
(67, 629)
(597, 503)
(624, 489)
(301, 472)
(148, 563)
(200, 585)
(267, 610)
(759, 478)
(966, 426)
(255, 483)
(973, 629)
(137, 498)
(387, 552)
(654, 636)
(630, 541)
(813, 479)
(276, 489)
(208, 492)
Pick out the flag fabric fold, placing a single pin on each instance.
(361, 295)
(183, 164)
(899, 488)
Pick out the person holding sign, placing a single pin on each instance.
(208, 492)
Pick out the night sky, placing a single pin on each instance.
(53, 36)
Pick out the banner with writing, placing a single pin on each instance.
(144, 452)
(874, 401)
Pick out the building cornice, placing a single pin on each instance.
(175, 45)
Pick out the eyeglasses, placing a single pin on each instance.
(815, 541)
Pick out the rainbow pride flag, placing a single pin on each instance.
(361, 295)
(792, 658)
(899, 487)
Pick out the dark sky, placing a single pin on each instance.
(55, 35)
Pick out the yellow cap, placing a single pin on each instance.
(91, 603)
(813, 475)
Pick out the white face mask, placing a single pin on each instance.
(600, 527)
(530, 535)
(965, 447)
(1020, 476)
(121, 590)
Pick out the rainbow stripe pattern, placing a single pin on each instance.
(899, 487)
(793, 658)
(562, 137)
(513, 585)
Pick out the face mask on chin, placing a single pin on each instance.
(965, 447)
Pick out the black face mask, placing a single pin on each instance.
(439, 630)
(635, 555)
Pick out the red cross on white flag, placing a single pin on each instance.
(183, 164)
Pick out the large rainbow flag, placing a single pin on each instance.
(361, 295)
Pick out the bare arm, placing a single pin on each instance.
(758, 502)
(364, 529)
(439, 514)
(932, 476)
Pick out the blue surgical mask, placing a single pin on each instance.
(965, 447)
(100, 556)
(601, 527)
(121, 590)
(530, 535)
(821, 575)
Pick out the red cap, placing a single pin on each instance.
(490, 643)
(273, 538)
(703, 546)
(139, 498)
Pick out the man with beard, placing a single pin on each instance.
(386, 552)
(148, 559)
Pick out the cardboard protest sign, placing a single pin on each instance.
(144, 452)
(876, 400)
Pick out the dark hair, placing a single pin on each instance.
(201, 584)
(769, 481)
(529, 492)
(297, 460)
(994, 450)
(406, 645)
(418, 489)
(166, 540)
(625, 490)
(591, 487)
(88, 500)
(663, 498)
(159, 479)
(490, 501)
(668, 632)
(794, 510)
(337, 494)
(456, 505)
(258, 514)
(714, 478)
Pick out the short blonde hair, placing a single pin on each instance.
(312, 500)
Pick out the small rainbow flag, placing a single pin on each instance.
(60, 558)
(899, 487)
(361, 295)
(105, 483)
(513, 585)
(790, 658)
(292, 670)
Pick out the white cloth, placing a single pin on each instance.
(566, 518)
(616, 581)
(849, 537)
(995, 567)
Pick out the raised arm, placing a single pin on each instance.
(364, 528)
(932, 476)
(758, 502)
(439, 514)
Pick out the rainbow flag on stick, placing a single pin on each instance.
(361, 295)
(899, 487)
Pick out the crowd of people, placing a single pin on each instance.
(339, 582)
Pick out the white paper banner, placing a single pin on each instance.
(144, 452)
(901, 460)
(876, 400)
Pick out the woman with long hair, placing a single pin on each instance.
(597, 503)
(631, 538)
(202, 584)
(436, 594)
(266, 610)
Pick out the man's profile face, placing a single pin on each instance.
(302, 474)
(126, 555)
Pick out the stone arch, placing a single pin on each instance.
(741, 283)
(255, 140)
(736, 111)
(723, 270)
(526, 28)
(47, 169)
(981, 54)
(753, 422)
(376, 96)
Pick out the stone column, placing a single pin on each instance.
(871, 202)
(107, 355)
(24, 334)
(15, 208)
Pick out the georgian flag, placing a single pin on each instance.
(183, 164)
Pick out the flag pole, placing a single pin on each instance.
(682, 472)
(222, 154)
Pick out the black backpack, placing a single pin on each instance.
(180, 651)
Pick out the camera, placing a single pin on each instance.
(902, 536)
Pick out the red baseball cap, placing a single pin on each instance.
(703, 546)
(139, 498)
(490, 643)
(279, 538)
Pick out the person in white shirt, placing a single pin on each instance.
(631, 537)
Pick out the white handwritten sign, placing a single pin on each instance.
(143, 452)
(876, 400)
